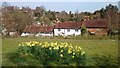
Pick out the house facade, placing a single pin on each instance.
(45, 31)
(38, 30)
(96, 27)
(67, 28)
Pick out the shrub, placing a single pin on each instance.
(83, 30)
(59, 53)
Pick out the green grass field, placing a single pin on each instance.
(93, 48)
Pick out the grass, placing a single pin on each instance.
(95, 50)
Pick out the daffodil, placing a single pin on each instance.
(83, 53)
(33, 44)
(73, 53)
(22, 45)
(61, 46)
(43, 46)
(65, 46)
(50, 48)
(52, 44)
(69, 51)
(28, 43)
(73, 56)
(36, 42)
(56, 48)
(61, 51)
(61, 55)
(46, 42)
(80, 48)
(19, 44)
(40, 43)
(55, 43)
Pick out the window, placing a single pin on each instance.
(76, 30)
(68, 30)
(58, 29)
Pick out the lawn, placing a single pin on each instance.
(97, 51)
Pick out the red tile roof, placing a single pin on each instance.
(75, 25)
(46, 28)
(36, 29)
(68, 25)
(102, 23)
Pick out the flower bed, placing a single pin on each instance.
(60, 53)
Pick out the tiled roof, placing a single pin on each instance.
(46, 28)
(102, 23)
(68, 25)
(35, 29)
(75, 25)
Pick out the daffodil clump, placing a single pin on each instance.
(61, 53)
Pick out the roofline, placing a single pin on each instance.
(66, 28)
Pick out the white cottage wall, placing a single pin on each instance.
(66, 32)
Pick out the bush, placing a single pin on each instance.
(58, 53)
(83, 30)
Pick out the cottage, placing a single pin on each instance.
(11, 32)
(96, 27)
(30, 30)
(38, 30)
(45, 31)
(67, 28)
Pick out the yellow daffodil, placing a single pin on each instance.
(55, 43)
(28, 43)
(83, 53)
(50, 48)
(56, 48)
(52, 44)
(40, 43)
(65, 46)
(80, 48)
(19, 44)
(73, 56)
(61, 55)
(33, 44)
(73, 53)
(36, 42)
(61, 51)
(61, 46)
(46, 42)
(69, 51)
(43, 46)
(22, 45)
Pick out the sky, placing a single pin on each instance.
(59, 0)
(65, 6)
